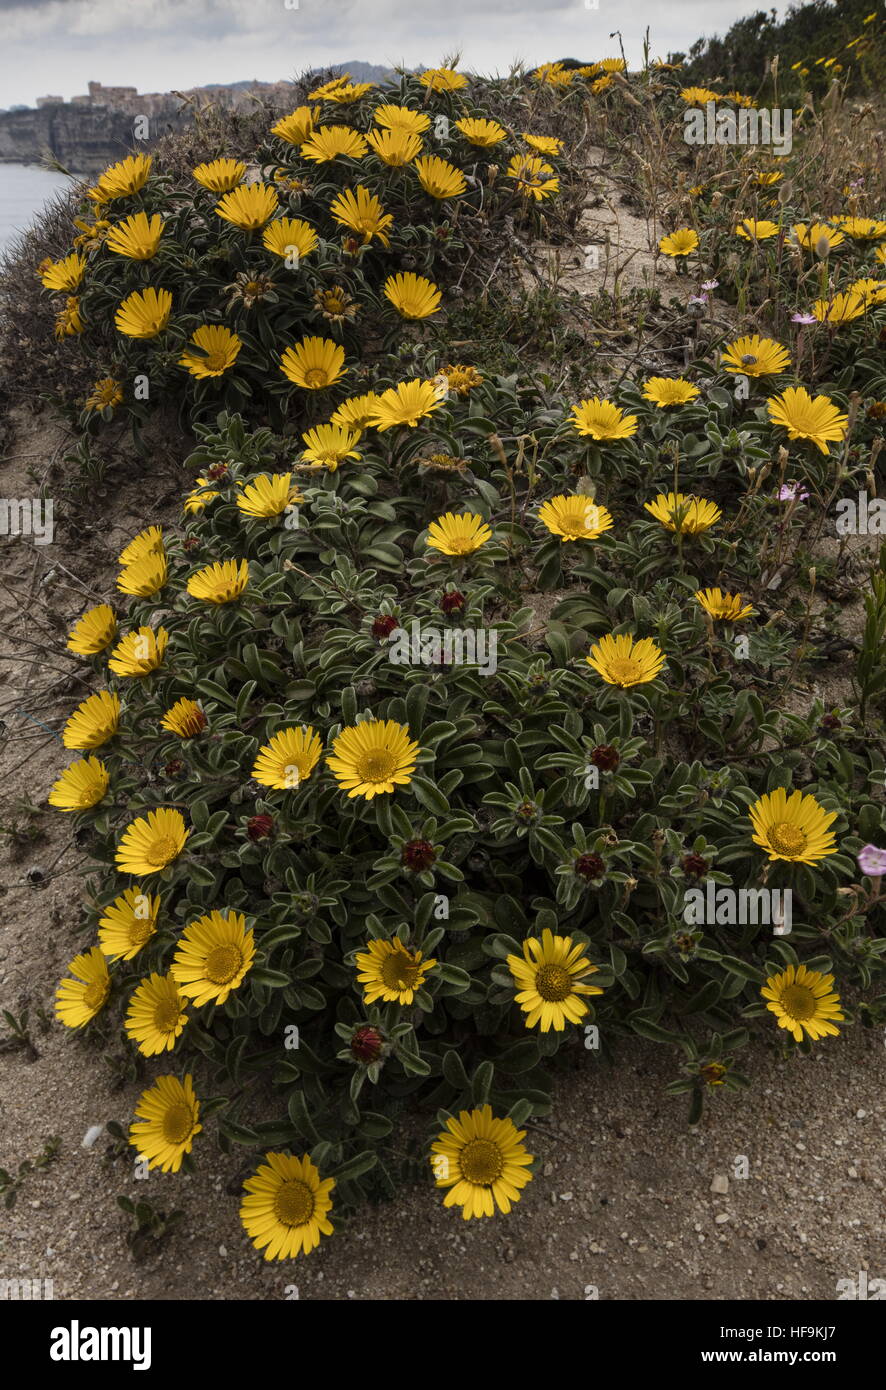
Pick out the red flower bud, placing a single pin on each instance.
(383, 626)
(366, 1044)
(259, 827)
(452, 601)
(590, 867)
(418, 855)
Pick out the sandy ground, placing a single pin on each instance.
(629, 1202)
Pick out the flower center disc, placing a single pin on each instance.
(178, 1123)
(167, 1016)
(315, 376)
(624, 670)
(787, 838)
(94, 994)
(294, 1203)
(553, 983)
(161, 851)
(222, 964)
(139, 931)
(400, 971)
(798, 1001)
(481, 1162)
(377, 767)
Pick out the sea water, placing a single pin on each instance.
(24, 188)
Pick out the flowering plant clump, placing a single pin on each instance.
(313, 816)
(466, 723)
(270, 281)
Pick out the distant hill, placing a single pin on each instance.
(361, 72)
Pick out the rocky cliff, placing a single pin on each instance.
(83, 139)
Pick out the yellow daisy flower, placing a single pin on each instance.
(314, 363)
(374, 756)
(151, 842)
(755, 356)
(145, 577)
(395, 146)
(625, 661)
(602, 419)
(362, 212)
(248, 206)
(220, 175)
(574, 517)
(64, 275)
(460, 534)
(197, 499)
(460, 379)
(815, 418)
(287, 1207)
(329, 142)
(223, 582)
(699, 96)
(297, 127)
(811, 236)
(840, 308)
(123, 179)
(137, 237)
(217, 350)
(405, 404)
(82, 785)
(443, 80)
(185, 719)
(128, 924)
(412, 295)
(548, 977)
(170, 1112)
(482, 1162)
(106, 394)
(327, 446)
(355, 414)
(147, 542)
(80, 998)
(803, 1001)
(69, 321)
(752, 230)
(665, 391)
(684, 512)
(215, 954)
(144, 313)
(793, 828)
(288, 235)
(481, 132)
(723, 607)
(401, 118)
(533, 177)
(341, 91)
(288, 759)
(268, 496)
(93, 722)
(389, 971)
(139, 653)
(680, 242)
(439, 178)
(157, 1015)
(93, 632)
(862, 228)
(870, 291)
(545, 144)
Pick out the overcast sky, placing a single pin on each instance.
(56, 46)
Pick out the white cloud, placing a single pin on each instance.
(59, 45)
